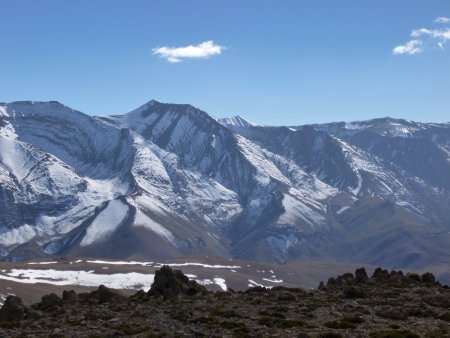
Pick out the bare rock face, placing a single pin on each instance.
(13, 310)
(172, 283)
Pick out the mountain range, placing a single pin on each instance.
(169, 180)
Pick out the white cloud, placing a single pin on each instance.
(200, 51)
(442, 19)
(442, 34)
(421, 31)
(424, 38)
(411, 47)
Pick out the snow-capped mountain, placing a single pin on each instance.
(167, 180)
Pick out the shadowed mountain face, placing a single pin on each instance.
(167, 180)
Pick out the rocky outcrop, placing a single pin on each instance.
(379, 276)
(170, 283)
(102, 295)
(50, 302)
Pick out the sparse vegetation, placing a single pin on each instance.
(191, 310)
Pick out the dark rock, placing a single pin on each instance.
(13, 310)
(168, 294)
(222, 294)
(139, 295)
(361, 276)
(172, 283)
(348, 277)
(381, 275)
(413, 277)
(256, 289)
(339, 281)
(32, 314)
(353, 292)
(85, 298)
(69, 297)
(396, 277)
(49, 302)
(428, 278)
(101, 295)
(331, 281)
(106, 295)
(321, 286)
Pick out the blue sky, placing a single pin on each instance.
(283, 62)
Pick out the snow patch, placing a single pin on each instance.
(218, 281)
(16, 236)
(217, 266)
(237, 121)
(106, 222)
(252, 284)
(273, 280)
(296, 210)
(120, 262)
(341, 210)
(132, 280)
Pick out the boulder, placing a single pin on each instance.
(50, 302)
(13, 310)
(172, 283)
(102, 295)
(106, 295)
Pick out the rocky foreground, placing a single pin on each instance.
(388, 304)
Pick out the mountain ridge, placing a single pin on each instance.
(184, 183)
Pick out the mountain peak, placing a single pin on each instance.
(154, 106)
(237, 121)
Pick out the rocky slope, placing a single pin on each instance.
(388, 304)
(168, 180)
